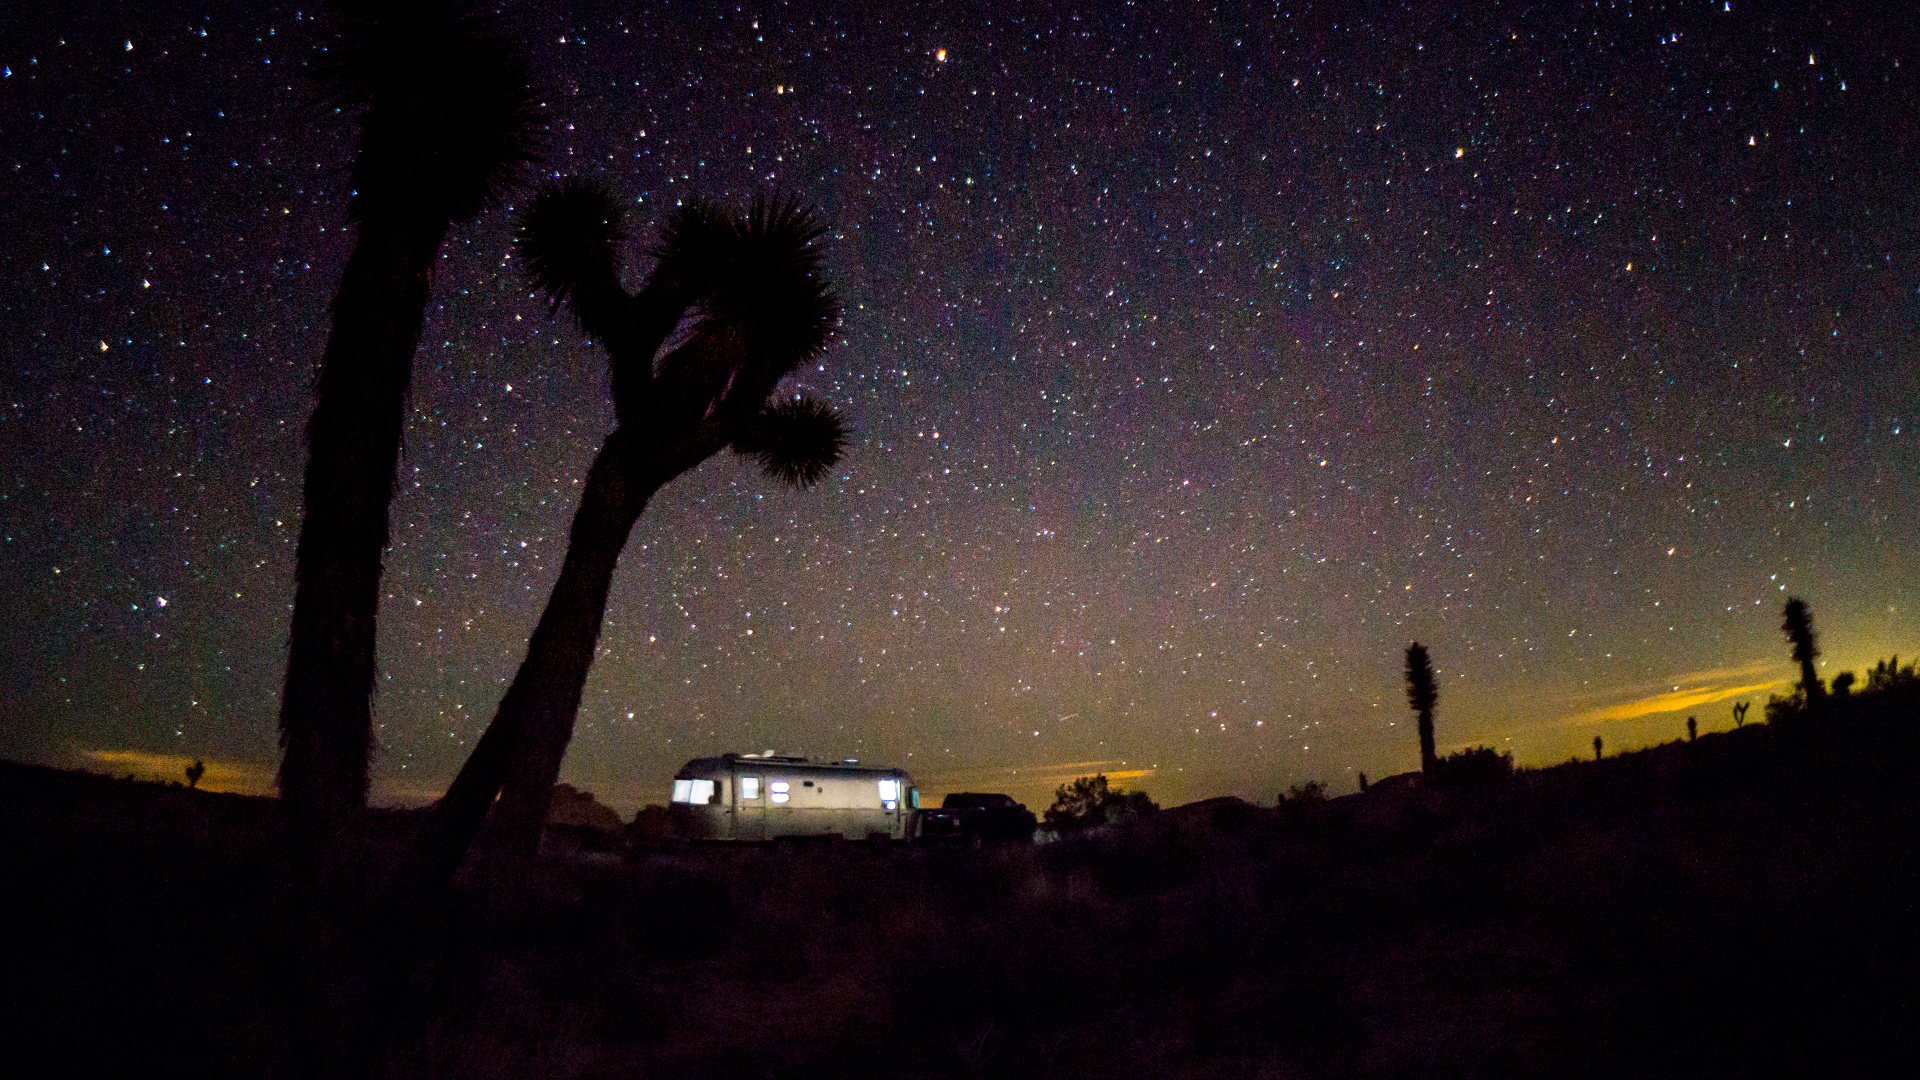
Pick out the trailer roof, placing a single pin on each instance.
(784, 762)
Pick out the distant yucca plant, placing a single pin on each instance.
(1422, 695)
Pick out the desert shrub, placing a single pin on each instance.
(1889, 675)
(651, 824)
(1482, 766)
(1786, 710)
(1090, 801)
(1302, 796)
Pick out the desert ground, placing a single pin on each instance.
(1732, 906)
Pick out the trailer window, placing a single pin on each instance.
(698, 791)
(778, 791)
(749, 787)
(683, 791)
(913, 797)
(890, 793)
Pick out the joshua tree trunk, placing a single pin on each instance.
(534, 722)
(325, 707)
(539, 707)
(446, 124)
(354, 435)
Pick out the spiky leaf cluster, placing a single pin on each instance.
(760, 277)
(1422, 694)
(779, 291)
(448, 120)
(569, 240)
(758, 303)
(795, 441)
(696, 246)
(1797, 623)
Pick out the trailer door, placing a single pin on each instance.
(750, 807)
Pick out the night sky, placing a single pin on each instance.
(1198, 361)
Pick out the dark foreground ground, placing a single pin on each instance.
(1738, 906)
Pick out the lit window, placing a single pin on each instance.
(749, 787)
(778, 791)
(701, 791)
(889, 792)
(913, 797)
(683, 791)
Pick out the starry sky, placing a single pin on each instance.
(1199, 359)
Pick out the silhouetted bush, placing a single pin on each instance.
(1482, 766)
(1889, 675)
(1301, 796)
(650, 825)
(1786, 710)
(1090, 801)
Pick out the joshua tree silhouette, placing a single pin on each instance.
(1596, 748)
(1693, 729)
(1797, 622)
(1740, 712)
(195, 771)
(1422, 695)
(447, 123)
(762, 308)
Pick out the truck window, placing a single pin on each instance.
(749, 787)
(778, 791)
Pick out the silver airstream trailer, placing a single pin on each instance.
(760, 797)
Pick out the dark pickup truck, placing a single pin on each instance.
(972, 818)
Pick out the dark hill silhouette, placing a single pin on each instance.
(1739, 904)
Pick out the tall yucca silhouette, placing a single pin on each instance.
(447, 123)
(759, 308)
(1422, 696)
(1797, 623)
